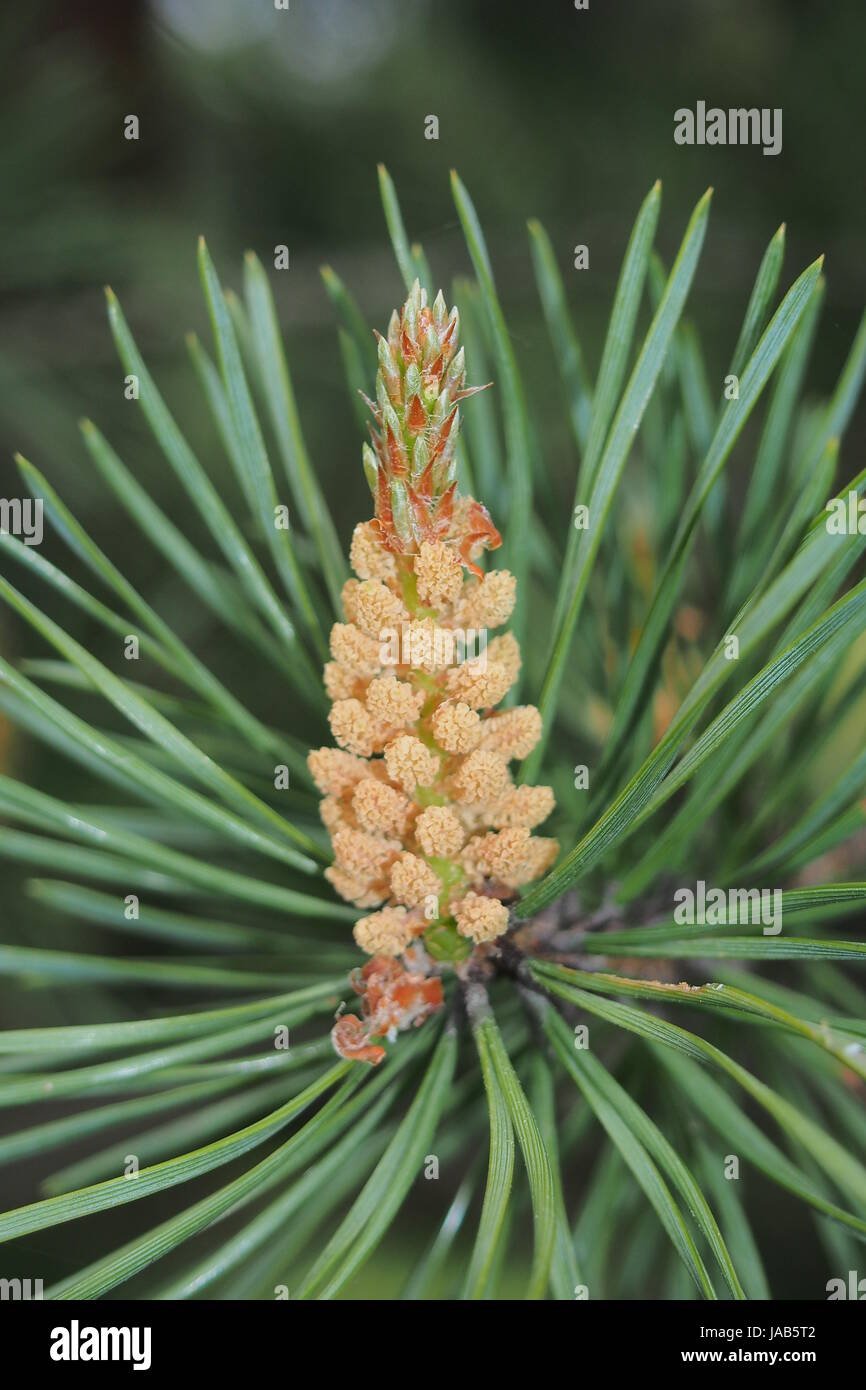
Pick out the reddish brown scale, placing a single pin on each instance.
(420, 511)
(384, 520)
(471, 391)
(482, 531)
(416, 416)
(445, 511)
(397, 456)
(424, 485)
(444, 432)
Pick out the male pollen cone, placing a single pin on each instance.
(426, 823)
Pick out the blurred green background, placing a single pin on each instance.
(261, 127)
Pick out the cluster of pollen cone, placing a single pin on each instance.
(429, 831)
